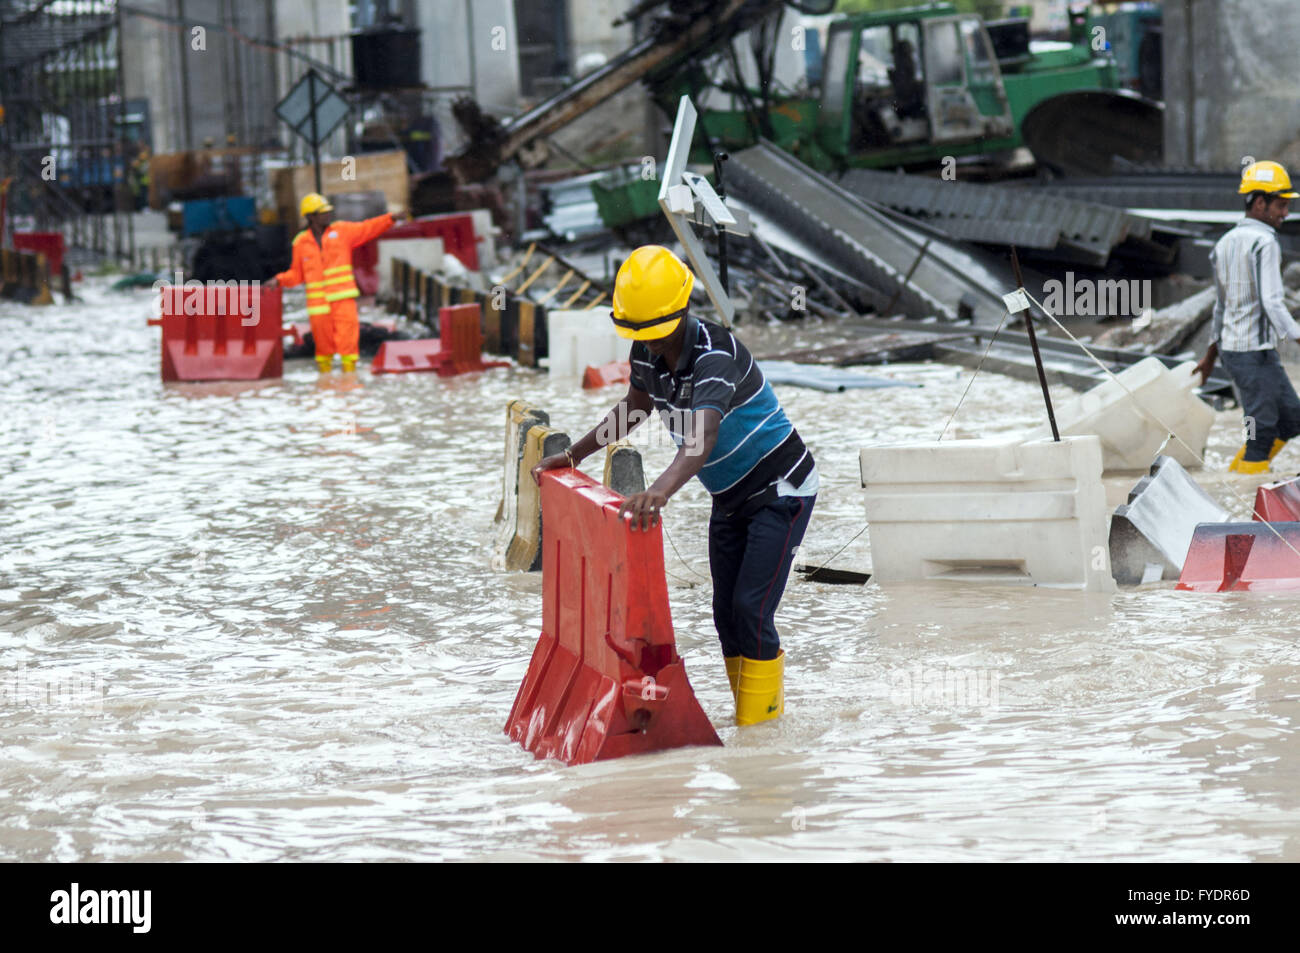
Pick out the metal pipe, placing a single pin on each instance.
(1033, 344)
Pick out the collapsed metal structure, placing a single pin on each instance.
(64, 141)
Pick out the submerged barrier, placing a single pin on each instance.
(615, 372)
(523, 551)
(1125, 417)
(624, 473)
(512, 325)
(1225, 557)
(25, 277)
(1151, 533)
(1278, 502)
(994, 511)
(221, 331)
(457, 350)
(605, 679)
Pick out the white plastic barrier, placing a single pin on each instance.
(1130, 439)
(1151, 533)
(422, 254)
(996, 511)
(577, 340)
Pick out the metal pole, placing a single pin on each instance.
(315, 144)
(1033, 344)
(718, 159)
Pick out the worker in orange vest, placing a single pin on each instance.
(322, 258)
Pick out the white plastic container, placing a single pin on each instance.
(422, 254)
(577, 340)
(989, 511)
(1131, 439)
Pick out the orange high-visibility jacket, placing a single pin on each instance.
(326, 268)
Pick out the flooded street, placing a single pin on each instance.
(259, 622)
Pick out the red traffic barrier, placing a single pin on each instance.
(221, 331)
(365, 266)
(615, 372)
(458, 351)
(1278, 502)
(49, 244)
(1225, 557)
(456, 231)
(605, 679)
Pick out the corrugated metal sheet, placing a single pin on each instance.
(864, 241)
(1003, 215)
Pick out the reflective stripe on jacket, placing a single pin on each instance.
(326, 267)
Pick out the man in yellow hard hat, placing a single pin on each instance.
(322, 259)
(732, 433)
(1250, 315)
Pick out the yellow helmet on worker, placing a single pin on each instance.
(312, 203)
(1266, 176)
(651, 292)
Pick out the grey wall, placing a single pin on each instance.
(1232, 82)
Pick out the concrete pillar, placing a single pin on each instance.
(1230, 80)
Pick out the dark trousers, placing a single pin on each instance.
(750, 558)
(1266, 396)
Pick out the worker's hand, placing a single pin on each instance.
(644, 508)
(554, 462)
(273, 283)
(400, 217)
(1204, 368)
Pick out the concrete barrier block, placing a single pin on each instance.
(1151, 533)
(579, 339)
(997, 511)
(521, 417)
(524, 552)
(423, 254)
(624, 473)
(1130, 438)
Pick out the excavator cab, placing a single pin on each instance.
(910, 78)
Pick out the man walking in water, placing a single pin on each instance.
(1250, 315)
(732, 433)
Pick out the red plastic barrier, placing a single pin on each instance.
(221, 332)
(455, 230)
(605, 679)
(1261, 557)
(458, 351)
(1278, 502)
(615, 372)
(49, 244)
(399, 357)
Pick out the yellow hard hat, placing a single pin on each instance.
(314, 202)
(651, 291)
(1267, 177)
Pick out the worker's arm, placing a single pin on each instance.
(691, 457)
(359, 233)
(293, 276)
(622, 419)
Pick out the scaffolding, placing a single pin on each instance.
(66, 140)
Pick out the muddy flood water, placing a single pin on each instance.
(260, 622)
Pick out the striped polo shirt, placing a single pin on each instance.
(757, 445)
(1250, 311)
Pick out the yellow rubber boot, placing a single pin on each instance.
(733, 671)
(350, 363)
(1277, 448)
(1249, 467)
(760, 690)
(324, 362)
